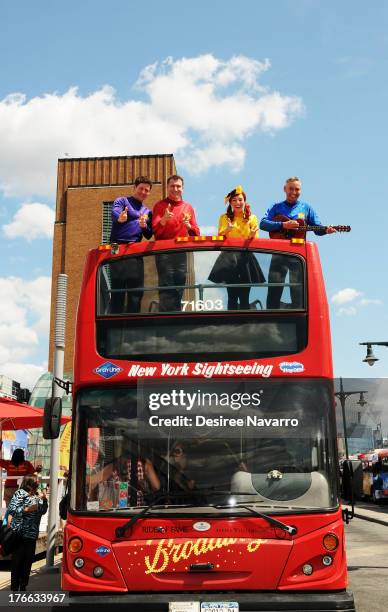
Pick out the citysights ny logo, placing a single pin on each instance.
(107, 370)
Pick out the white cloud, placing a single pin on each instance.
(208, 230)
(345, 295)
(37, 298)
(25, 373)
(199, 159)
(31, 221)
(21, 299)
(350, 311)
(367, 302)
(24, 316)
(202, 109)
(17, 334)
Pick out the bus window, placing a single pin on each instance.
(201, 281)
(206, 338)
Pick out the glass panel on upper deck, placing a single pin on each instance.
(201, 281)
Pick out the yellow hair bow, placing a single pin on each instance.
(236, 191)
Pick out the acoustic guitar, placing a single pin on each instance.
(303, 228)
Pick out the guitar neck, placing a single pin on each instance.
(312, 228)
(302, 229)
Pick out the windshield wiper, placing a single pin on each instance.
(213, 491)
(272, 521)
(120, 531)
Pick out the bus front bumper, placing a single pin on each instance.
(323, 601)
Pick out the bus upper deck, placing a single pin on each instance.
(194, 315)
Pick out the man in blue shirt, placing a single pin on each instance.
(131, 220)
(292, 208)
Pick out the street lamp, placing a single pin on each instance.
(370, 358)
(362, 401)
(342, 396)
(378, 436)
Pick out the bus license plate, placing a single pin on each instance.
(183, 606)
(219, 606)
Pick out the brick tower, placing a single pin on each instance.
(86, 188)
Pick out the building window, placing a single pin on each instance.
(106, 221)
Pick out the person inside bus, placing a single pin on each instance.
(131, 222)
(234, 267)
(180, 463)
(172, 218)
(143, 481)
(136, 469)
(292, 208)
(15, 467)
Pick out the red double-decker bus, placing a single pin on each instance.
(204, 464)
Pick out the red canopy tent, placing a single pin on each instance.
(14, 415)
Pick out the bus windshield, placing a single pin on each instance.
(201, 281)
(196, 443)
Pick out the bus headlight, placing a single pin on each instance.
(98, 571)
(327, 560)
(307, 569)
(79, 562)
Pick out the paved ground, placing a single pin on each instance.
(367, 556)
(40, 580)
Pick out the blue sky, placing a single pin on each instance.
(242, 93)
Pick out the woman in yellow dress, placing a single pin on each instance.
(237, 267)
(238, 221)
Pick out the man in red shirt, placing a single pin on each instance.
(171, 218)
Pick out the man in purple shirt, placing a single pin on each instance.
(131, 220)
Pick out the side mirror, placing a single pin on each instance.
(52, 418)
(352, 479)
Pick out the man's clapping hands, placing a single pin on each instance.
(168, 215)
(143, 221)
(186, 217)
(123, 216)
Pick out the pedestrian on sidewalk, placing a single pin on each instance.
(26, 507)
(16, 466)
